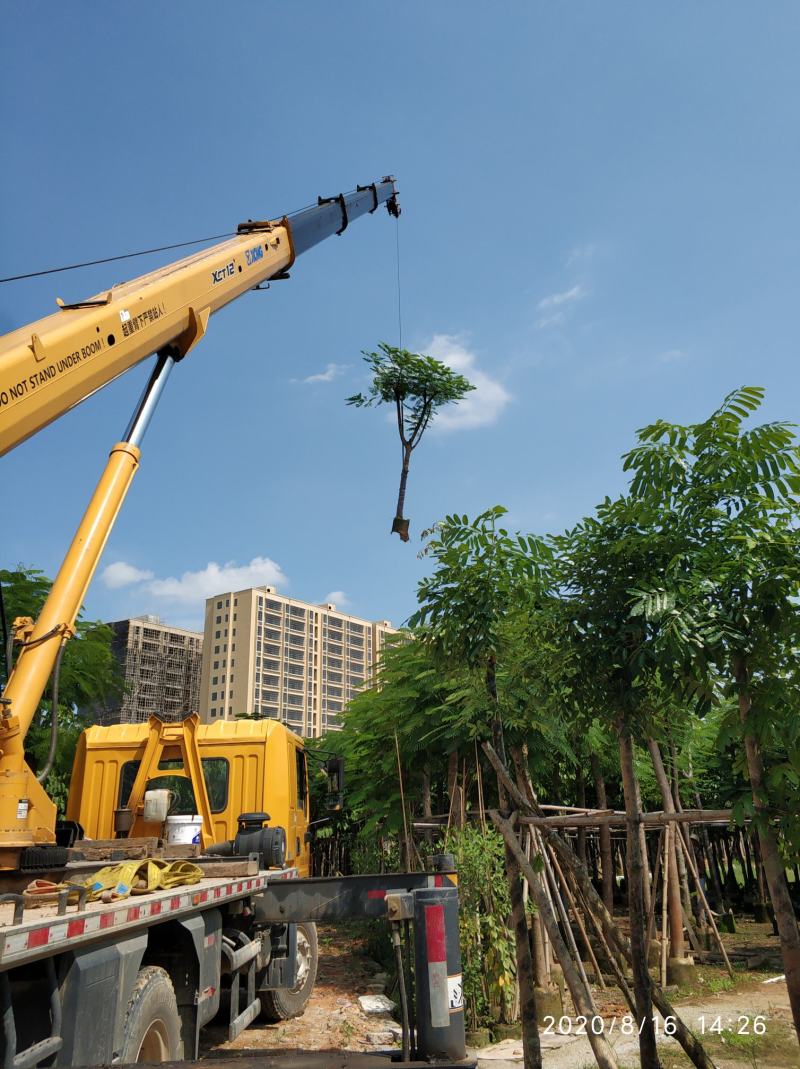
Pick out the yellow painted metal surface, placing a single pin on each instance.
(262, 767)
(27, 816)
(49, 366)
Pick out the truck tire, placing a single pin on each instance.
(153, 1024)
(283, 1003)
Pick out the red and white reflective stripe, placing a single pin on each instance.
(436, 953)
(18, 941)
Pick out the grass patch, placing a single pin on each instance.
(776, 1049)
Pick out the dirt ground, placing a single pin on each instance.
(333, 1019)
(725, 1009)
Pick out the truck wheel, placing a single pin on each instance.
(283, 1003)
(153, 1024)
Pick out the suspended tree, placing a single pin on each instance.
(417, 386)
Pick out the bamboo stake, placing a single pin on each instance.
(664, 904)
(578, 919)
(403, 801)
(702, 896)
(688, 1041)
(479, 778)
(656, 877)
(604, 1054)
(568, 932)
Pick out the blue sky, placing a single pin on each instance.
(600, 227)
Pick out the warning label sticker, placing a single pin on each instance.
(455, 993)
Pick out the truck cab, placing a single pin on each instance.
(247, 765)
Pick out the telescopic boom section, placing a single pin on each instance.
(51, 365)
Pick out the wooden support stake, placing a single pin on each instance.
(656, 877)
(664, 904)
(701, 895)
(604, 1054)
(576, 913)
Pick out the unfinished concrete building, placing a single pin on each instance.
(161, 668)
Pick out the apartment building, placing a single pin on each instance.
(161, 668)
(268, 655)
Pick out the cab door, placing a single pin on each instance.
(302, 859)
(296, 846)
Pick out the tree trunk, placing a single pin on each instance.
(713, 868)
(770, 852)
(531, 1048)
(452, 783)
(646, 877)
(582, 803)
(541, 972)
(403, 481)
(637, 910)
(676, 944)
(427, 810)
(606, 857)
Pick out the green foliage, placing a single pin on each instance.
(88, 675)
(488, 957)
(408, 699)
(417, 385)
(724, 610)
(479, 569)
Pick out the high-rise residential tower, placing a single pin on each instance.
(269, 655)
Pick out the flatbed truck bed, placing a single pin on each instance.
(135, 980)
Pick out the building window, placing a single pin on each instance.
(219, 620)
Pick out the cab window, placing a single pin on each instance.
(215, 773)
(300, 757)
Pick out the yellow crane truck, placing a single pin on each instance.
(135, 972)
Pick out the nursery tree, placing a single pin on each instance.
(463, 605)
(728, 603)
(417, 386)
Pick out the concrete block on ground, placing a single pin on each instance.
(373, 1004)
(681, 971)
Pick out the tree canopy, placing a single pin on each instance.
(417, 386)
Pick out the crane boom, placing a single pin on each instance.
(49, 366)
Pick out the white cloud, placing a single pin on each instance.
(580, 254)
(484, 404)
(195, 587)
(672, 356)
(555, 304)
(337, 598)
(331, 372)
(565, 297)
(121, 574)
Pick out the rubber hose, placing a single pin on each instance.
(51, 753)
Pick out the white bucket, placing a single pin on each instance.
(183, 829)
